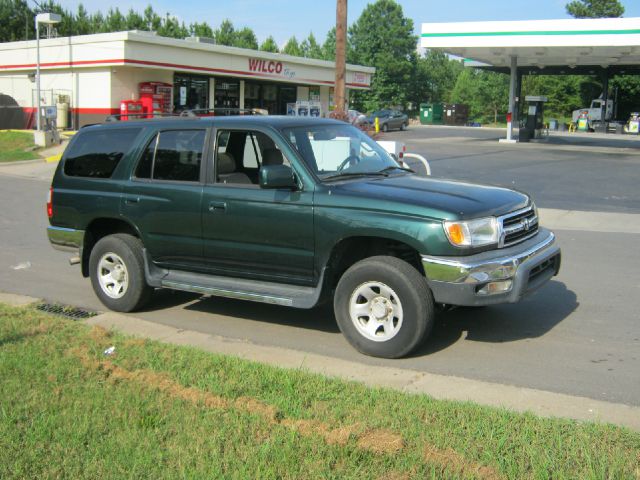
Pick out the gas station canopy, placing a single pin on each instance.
(542, 46)
(602, 46)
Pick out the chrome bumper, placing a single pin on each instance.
(65, 239)
(461, 280)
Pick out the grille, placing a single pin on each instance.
(67, 311)
(518, 226)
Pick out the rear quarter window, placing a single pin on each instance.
(96, 153)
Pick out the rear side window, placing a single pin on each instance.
(96, 153)
(174, 155)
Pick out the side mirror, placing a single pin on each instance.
(277, 176)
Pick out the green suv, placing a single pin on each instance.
(294, 212)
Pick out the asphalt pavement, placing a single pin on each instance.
(579, 335)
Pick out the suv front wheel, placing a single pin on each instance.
(384, 307)
(116, 268)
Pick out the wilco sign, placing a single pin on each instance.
(270, 66)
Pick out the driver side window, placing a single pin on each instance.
(241, 153)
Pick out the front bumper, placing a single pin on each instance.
(65, 239)
(462, 280)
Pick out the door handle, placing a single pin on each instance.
(217, 206)
(131, 199)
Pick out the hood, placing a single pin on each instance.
(433, 197)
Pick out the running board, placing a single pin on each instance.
(239, 288)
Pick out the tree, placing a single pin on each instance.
(225, 34)
(434, 77)
(595, 8)
(311, 48)
(329, 46)
(245, 38)
(16, 19)
(201, 30)
(269, 45)
(82, 23)
(134, 21)
(292, 47)
(383, 37)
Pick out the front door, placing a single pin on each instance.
(163, 197)
(248, 231)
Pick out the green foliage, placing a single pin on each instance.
(269, 45)
(201, 30)
(245, 38)
(434, 78)
(292, 47)
(383, 37)
(329, 46)
(310, 48)
(225, 33)
(16, 18)
(595, 8)
(486, 93)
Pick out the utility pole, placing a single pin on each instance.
(341, 67)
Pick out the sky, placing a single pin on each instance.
(285, 18)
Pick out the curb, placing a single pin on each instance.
(442, 387)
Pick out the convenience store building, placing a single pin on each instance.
(93, 74)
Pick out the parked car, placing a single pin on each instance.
(390, 119)
(293, 212)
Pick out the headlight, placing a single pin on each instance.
(473, 233)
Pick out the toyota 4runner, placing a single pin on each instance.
(290, 212)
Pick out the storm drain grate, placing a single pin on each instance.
(74, 313)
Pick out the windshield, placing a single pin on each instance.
(337, 150)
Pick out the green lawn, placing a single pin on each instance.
(156, 411)
(14, 145)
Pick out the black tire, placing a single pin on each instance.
(413, 295)
(385, 127)
(129, 249)
(403, 127)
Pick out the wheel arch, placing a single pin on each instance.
(99, 228)
(350, 250)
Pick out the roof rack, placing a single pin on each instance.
(190, 113)
(139, 116)
(223, 111)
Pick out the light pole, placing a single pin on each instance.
(47, 19)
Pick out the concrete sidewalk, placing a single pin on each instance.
(539, 402)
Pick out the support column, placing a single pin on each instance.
(605, 98)
(513, 78)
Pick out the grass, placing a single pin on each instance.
(14, 145)
(155, 411)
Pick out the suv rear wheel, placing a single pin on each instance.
(116, 267)
(384, 307)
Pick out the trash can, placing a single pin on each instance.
(431, 113)
(426, 114)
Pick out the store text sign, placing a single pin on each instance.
(270, 66)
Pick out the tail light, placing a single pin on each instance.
(50, 203)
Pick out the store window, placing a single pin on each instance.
(271, 97)
(227, 96)
(190, 92)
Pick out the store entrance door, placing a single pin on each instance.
(190, 92)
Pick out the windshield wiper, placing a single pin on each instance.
(354, 174)
(395, 167)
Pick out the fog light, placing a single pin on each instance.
(494, 288)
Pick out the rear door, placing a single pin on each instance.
(163, 197)
(253, 232)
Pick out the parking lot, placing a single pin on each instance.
(579, 335)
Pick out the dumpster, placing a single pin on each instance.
(431, 113)
(456, 114)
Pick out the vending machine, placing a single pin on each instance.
(156, 97)
(133, 108)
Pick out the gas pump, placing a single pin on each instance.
(533, 123)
